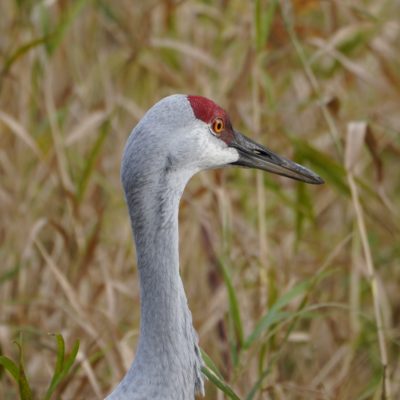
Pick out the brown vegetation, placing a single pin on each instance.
(295, 287)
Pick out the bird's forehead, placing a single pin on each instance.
(205, 109)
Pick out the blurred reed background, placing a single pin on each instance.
(294, 289)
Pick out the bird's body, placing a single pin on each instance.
(176, 138)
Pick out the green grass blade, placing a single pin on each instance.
(70, 359)
(220, 384)
(331, 171)
(91, 160)
(253, 391)
(274, 314)
(303, 210)
(21, 51)
(210, 363)
(63, 366)
(10, 366)
(263, 20)
(258, 24)
(66, 20)
(60, 353)
(59, 366)
(25, 390)
(233, 306)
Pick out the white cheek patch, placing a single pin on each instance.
(212, 152)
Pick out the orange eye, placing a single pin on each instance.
(218, 126)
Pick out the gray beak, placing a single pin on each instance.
(254, 155)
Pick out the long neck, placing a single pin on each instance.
(157, 247)
(167, 363)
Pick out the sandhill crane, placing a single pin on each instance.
(179, 136)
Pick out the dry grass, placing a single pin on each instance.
(301, 77)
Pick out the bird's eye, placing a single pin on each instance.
(218, 126)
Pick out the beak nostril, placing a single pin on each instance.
(260, 152)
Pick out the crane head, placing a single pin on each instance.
(186, 134)
(250, 153)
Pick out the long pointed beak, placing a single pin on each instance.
(254, 155)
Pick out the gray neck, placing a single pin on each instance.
(167, 363)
